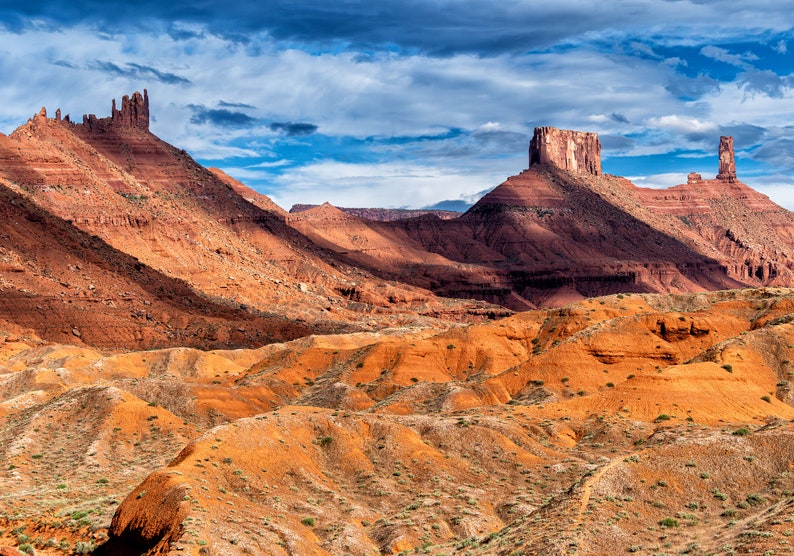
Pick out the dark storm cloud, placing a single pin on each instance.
(691, 87)
(779, 153)
(219, 117)
(139, 71)
(744, 135)
(65, 64)
(619, 118)
(616, 142)
(293, 129)
(436, 27)
(224, 104)
(765, 82)
(500, 141)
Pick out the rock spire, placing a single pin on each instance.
(727, 170)
(576, 151)
(134, 113)
(134, 110)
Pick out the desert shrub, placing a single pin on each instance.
(754, 499)
(308, 521)
(325, 441)
(81, 547)
(728, 367)
(663, 417)
(741, 431)
(668, 522)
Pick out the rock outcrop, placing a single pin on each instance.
(134, 113)
(727, 170)
(576, 151)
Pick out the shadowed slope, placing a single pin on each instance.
(68, 286)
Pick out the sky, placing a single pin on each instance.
(408, 103)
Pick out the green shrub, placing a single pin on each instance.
(325, 441)
(668, 522)
(741, 431)
(754, 499)
(308, 521)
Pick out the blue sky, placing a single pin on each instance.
(408, 103)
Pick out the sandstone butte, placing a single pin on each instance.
(328, 399)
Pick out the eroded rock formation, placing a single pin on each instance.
(576, 151)
(727, 170)
(134, 113)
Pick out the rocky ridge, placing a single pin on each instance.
(562, 230)
(113, 179)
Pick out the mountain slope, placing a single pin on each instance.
(115, 180)
(67, 286)
(562, 230)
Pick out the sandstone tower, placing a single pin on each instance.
(576, 151)
(727, 170)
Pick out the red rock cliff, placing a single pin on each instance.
(576, 151)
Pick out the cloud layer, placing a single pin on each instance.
(413, 102)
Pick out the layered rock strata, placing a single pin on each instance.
(576, 151)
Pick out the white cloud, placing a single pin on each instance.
(490, 126)
(391, 185)
(722, 55)
(683, 124)
(659, 181)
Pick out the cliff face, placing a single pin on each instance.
(576, 151)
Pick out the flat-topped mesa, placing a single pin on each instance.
(727, 170)
(576, 151)
(134, 113)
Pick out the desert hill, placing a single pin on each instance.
(583, 427)
(562, 230)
